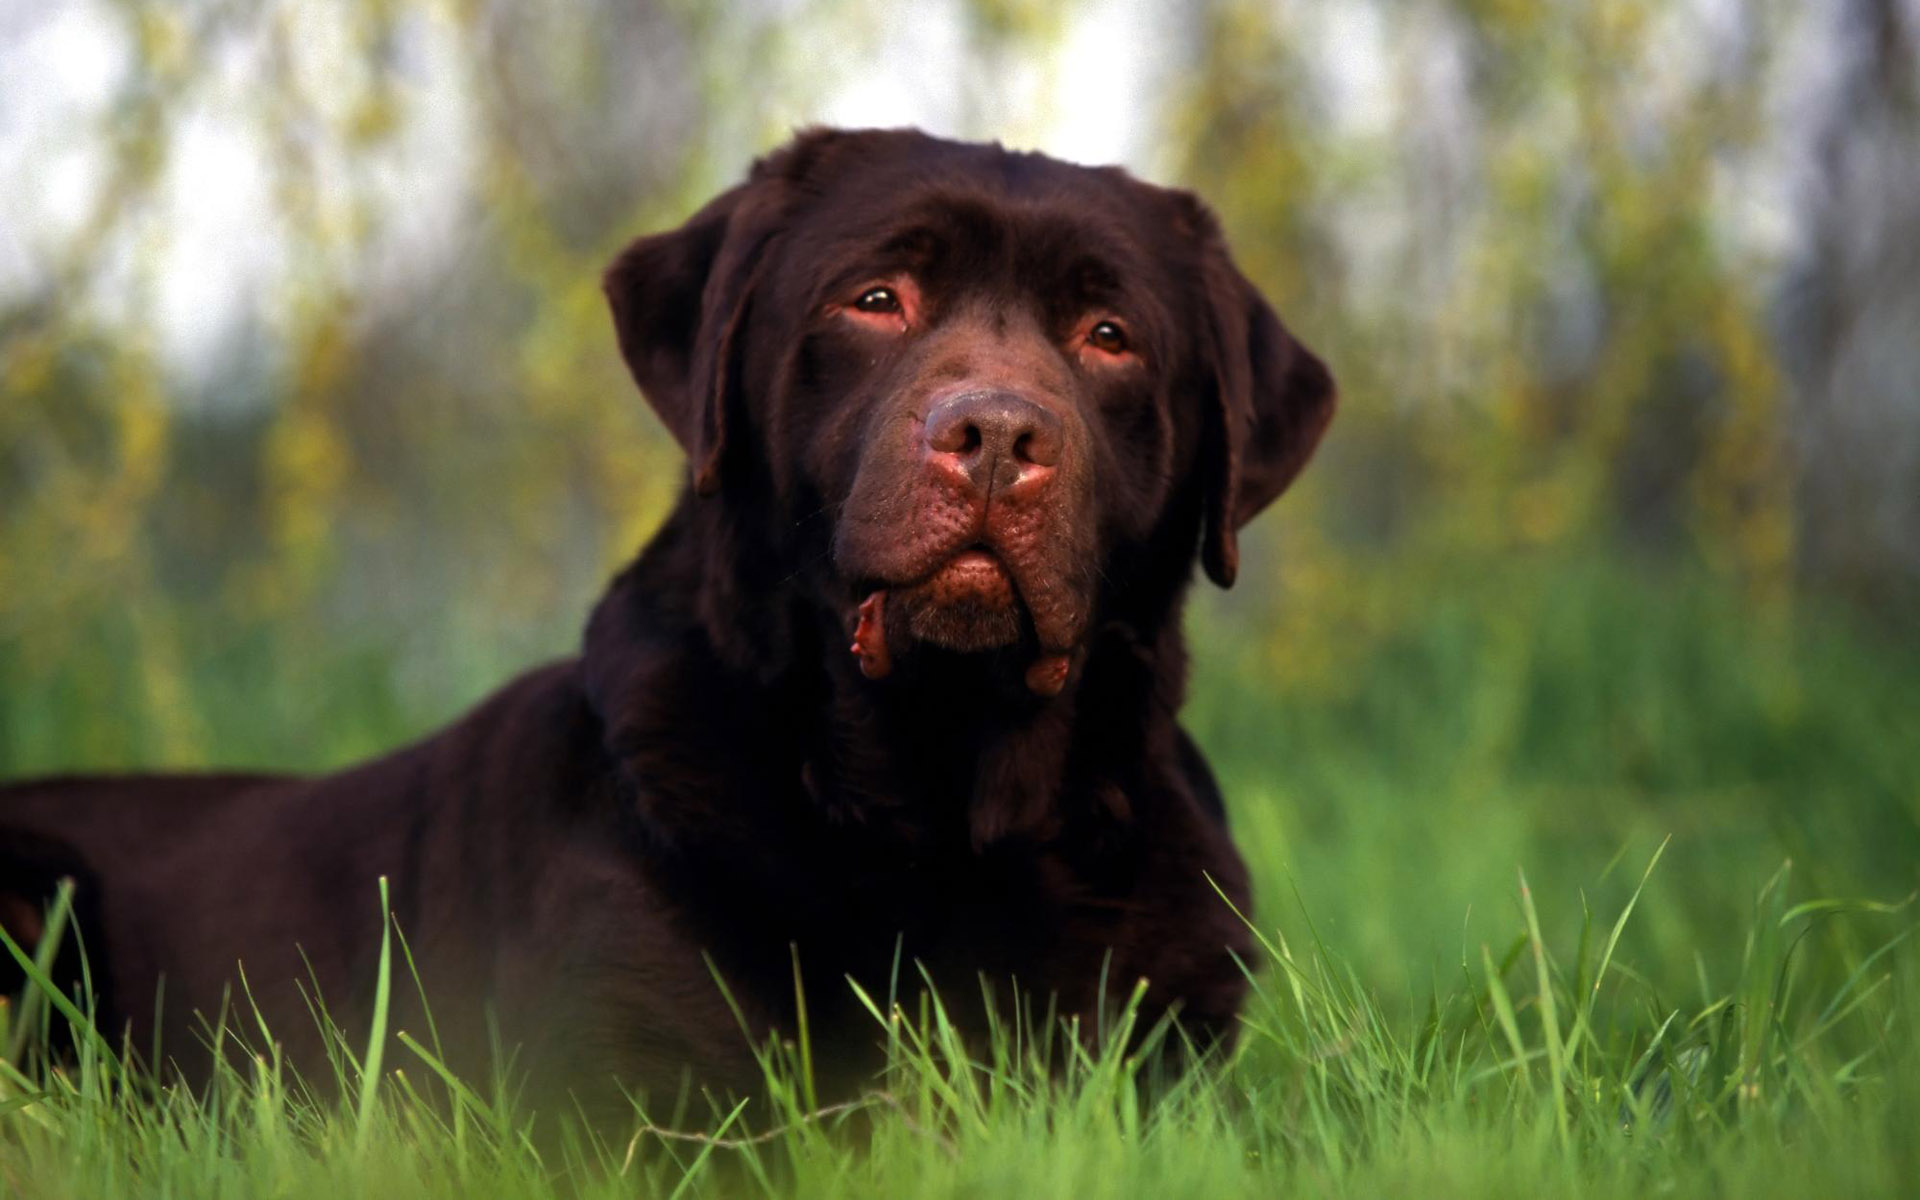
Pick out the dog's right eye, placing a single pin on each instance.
(878, 300)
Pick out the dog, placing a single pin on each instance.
(890, 697)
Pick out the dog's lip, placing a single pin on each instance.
(970, 560)
(972, 556)
(973, 578)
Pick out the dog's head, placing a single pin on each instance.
(969, 399)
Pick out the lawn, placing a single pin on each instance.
(1573, 877)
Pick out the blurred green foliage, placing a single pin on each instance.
(1541, 600)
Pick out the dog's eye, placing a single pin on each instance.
(1108, 338)
(878, 300)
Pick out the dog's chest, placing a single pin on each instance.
(890, 917)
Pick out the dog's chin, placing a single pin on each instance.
(970, 604)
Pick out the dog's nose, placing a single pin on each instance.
(994, 437)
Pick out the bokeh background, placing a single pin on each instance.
(312, 428)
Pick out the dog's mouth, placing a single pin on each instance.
(970, 602)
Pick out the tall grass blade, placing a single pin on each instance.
(377, 1034)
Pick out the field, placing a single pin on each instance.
(1583, 878)
(1568, 708)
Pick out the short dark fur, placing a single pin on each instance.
(715, 778)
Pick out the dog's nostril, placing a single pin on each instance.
(952, 431)
(1039, 445)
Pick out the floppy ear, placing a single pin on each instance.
(1272, 401)
(679, 300)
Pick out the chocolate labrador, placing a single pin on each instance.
(890, 697)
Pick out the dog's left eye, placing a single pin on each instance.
(1108, 338)
(878, 300)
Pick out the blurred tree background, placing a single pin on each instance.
(312, 428)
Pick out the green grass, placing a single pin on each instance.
(1570, 880)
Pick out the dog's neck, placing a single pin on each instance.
(950, 750)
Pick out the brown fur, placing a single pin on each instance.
(717, 779)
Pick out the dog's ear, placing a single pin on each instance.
(1272, 399)
(679, 300)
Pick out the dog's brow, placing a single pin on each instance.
(915, 240)
(1092, 277)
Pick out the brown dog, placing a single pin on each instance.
(896, 682)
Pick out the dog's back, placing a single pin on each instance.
(118, 815)
(83, 829)
(257, 895)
